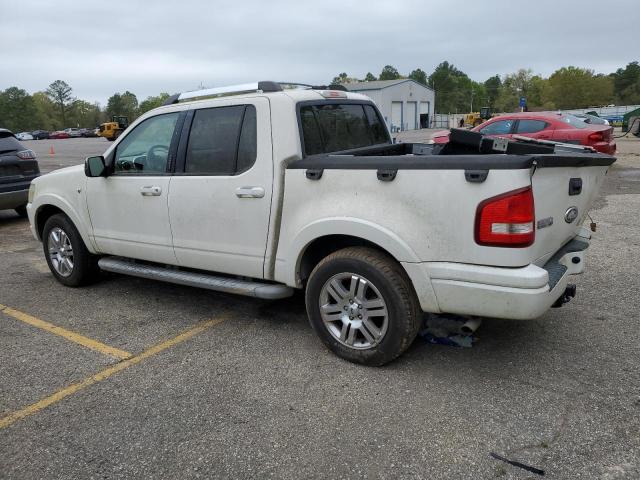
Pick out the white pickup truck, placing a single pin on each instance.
(263, 189)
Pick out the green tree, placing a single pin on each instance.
(46, 116)
(389, 73)
(342, 79)
(573, 87)
(85, 114)
(17, 110)
(152, 102)
(419, 76)
(626, 82)
(370, 77)
(514, 86)
(453, 89)
(123, 104)
(492, 86)
(60, 93)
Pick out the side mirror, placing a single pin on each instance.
(95, 167)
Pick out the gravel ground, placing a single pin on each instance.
(257, 395)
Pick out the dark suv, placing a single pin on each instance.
(40, 134)
(18, 166)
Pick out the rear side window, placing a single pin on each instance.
(9, 143)
(531, 126)
(222, 141)
(331, 127)
(501, 127)
(573, 121)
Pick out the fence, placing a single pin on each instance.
(615, 113)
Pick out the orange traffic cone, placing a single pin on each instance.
(51, 151)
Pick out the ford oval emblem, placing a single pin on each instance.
(571, 214)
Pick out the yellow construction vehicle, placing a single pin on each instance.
(476, 118)
(112, 130)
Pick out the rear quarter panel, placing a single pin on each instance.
(421, 216)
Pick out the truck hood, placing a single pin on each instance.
(57, 175)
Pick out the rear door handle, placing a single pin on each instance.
(250, 192)
(150, 191)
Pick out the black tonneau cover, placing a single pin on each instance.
(466, 150)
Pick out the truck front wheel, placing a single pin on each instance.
(67, 256)
(362, 305)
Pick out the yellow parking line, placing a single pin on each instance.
(63, 332)
(104, 374)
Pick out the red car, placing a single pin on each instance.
(558, 127)
(59, 134)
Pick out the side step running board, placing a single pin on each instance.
(201, 280)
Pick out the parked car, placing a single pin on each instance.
(58, 134)
(558, 127)
(88, 132)
(18, 167)
(73, 132)
(24, 136)
(40, 134)
(592, 119)
(273, 190)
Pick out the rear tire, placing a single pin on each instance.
(67, 255)
(22, 211)
(362, 305)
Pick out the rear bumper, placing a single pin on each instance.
(513, 293)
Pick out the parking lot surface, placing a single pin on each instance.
(131, 378)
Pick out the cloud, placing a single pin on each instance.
(167, 46)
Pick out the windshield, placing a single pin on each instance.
(333, 127)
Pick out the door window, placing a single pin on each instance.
(145, 150)
(222, 141)
(501, 127)
(531, 126)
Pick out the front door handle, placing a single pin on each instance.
(250, 192)
(150, 191)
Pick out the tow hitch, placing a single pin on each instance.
(566, 297)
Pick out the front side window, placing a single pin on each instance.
(501, 127)
(145, 150)
(531, 126)
(331, 127)
(222, 141)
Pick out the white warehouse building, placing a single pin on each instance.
(405, 104)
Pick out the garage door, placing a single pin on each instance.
(396, 116)
(410, 122)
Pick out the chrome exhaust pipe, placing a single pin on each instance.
(470, 326)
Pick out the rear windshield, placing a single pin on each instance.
(332, 127)
(573, 121)
(9, 144)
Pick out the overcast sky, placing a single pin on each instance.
(147, 47)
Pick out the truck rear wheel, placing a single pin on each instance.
(67, 256)
(362, 305)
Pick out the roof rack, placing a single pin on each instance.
(265, 86)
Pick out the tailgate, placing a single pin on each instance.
(564, 189)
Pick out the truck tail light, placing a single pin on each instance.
(507, 220)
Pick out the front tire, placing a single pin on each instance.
(362, 305)
(67, 255)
